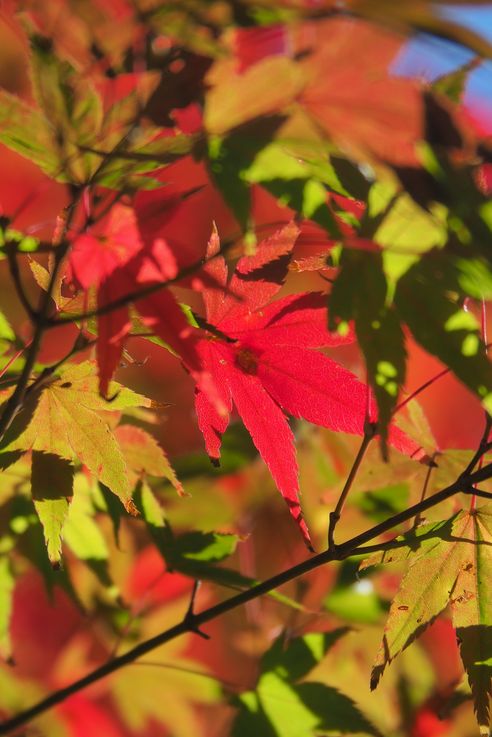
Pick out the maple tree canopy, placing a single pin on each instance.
(244, 338)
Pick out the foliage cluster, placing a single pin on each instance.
(245, 191)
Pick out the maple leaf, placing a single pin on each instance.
(68, 421)
(144, 456)
(280, 705)
(52, 489)
(261, 358)
(449, 565)
(361, 106)
(7, 582)
(118, 260)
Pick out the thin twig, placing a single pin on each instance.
(483, 446)
(132, 297)
(193, 622)
(19, 287)
(430, 468)
(14, 358)
(426, 385)
(190, 612)
(421, 388)
(41, 317)
(147, 290)
(369, 433)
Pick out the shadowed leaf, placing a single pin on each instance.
(52, 488)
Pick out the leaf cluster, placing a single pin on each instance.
(377, 231)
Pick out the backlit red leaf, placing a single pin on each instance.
(360, 105)
(271, 434)
(264, 363)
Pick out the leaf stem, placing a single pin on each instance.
(421, 388)
(14, 358)
(369, 433)
(192, 622)
(430, 468)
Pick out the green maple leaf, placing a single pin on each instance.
(280, 706)
(7, 583)
(52, 487)
(449, 565)
(144, 456)
(70, 421)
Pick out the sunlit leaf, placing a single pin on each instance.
(367, 112)
(294, 659)
(71, 104)
(7, 583)
(407, 231)
(6, 332)
(279, 706)
(448, 564)
(25, 130)
(426, 301)
(264, 89)
(66, 422)
(143, 454)
(52, 488)
(84, 537)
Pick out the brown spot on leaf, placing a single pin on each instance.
(131, 508)
(247, 360)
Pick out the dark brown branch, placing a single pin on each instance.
(192, 622)
(19, 287)
(479, 492)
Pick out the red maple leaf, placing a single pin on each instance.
(366, 110)
(119, 260)
(262, 359)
